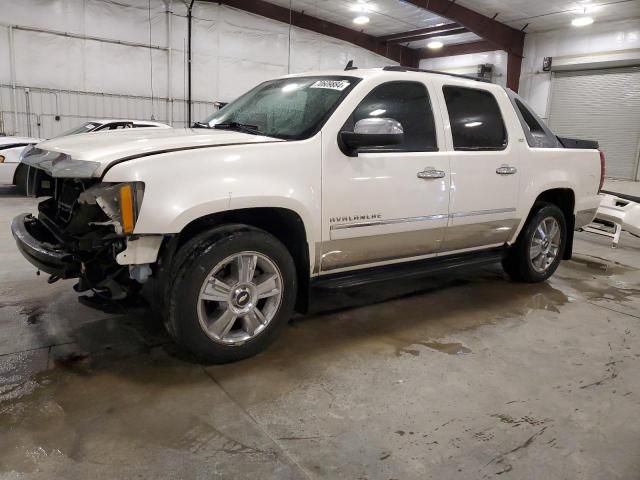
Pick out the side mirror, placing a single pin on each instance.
(372, 132)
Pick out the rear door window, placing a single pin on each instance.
(476, 120)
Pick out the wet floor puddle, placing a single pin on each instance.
(600, 279)
(90, 406)
(597, 266)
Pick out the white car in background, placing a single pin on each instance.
(102, 125)
(10, 150)
(11, 173)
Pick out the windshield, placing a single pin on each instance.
(84, 128)
(291, 108)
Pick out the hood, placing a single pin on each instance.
(90, 154)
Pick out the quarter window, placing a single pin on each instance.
(409, 104)
(538, 135)
(476, 121)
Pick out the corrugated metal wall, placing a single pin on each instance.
(45, 113)
(602, 105)
(105, 58)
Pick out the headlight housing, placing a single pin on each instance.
(56, 164)
(121, 202)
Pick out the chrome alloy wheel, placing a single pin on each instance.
(545, 244)
(239, 298)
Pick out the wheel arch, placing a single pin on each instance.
(565, 199)
(283, 223)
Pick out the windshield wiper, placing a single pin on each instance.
(200, 125)
(241, 127)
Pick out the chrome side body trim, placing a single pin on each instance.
(349, 252)
(439, 216)
(363, 250)
(392, 221)
(481, 212)
(460, 237)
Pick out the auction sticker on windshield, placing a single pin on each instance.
(331, 84)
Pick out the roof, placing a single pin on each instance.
(374, 72)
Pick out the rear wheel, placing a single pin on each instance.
(540, 246)
(233, 289)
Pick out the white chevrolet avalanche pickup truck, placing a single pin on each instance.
(330, 179)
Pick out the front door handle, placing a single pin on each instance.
(506, 170)
(430, 173)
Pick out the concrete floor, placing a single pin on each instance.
(464, 377)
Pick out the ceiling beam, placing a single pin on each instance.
(458, 49)
(425, 36)
(420, 31)
(500, 35)
(403, 55)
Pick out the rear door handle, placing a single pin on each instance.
(506, 170)
(431, 173)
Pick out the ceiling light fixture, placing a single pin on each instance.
(361, 20)
(435, 45)
(581, 21)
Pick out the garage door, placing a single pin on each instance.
(601, 105)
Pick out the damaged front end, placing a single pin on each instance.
(80, 229)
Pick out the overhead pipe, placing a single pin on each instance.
(169, 12)
(189, 19)
(12, 69)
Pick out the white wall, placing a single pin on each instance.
(90, 74)
(468, 64)
(600, 43)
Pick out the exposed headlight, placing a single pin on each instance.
(121, 202)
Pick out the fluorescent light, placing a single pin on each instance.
(290, 87)
(435, 45)
(377, 112)
(361, 20)
(581, 21)
(473, 124)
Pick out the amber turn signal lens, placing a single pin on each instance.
(126, 208)
(1, 158)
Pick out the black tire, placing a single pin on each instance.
(191, 267)
(518, 263)
(20, 179)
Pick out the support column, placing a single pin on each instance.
(514, 67)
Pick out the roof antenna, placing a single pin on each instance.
(350, 66)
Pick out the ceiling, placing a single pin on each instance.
(395, 16)
(392, 16)
(386, 16)
(542, 15)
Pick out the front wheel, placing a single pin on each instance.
(233, 289)
(537, 253)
